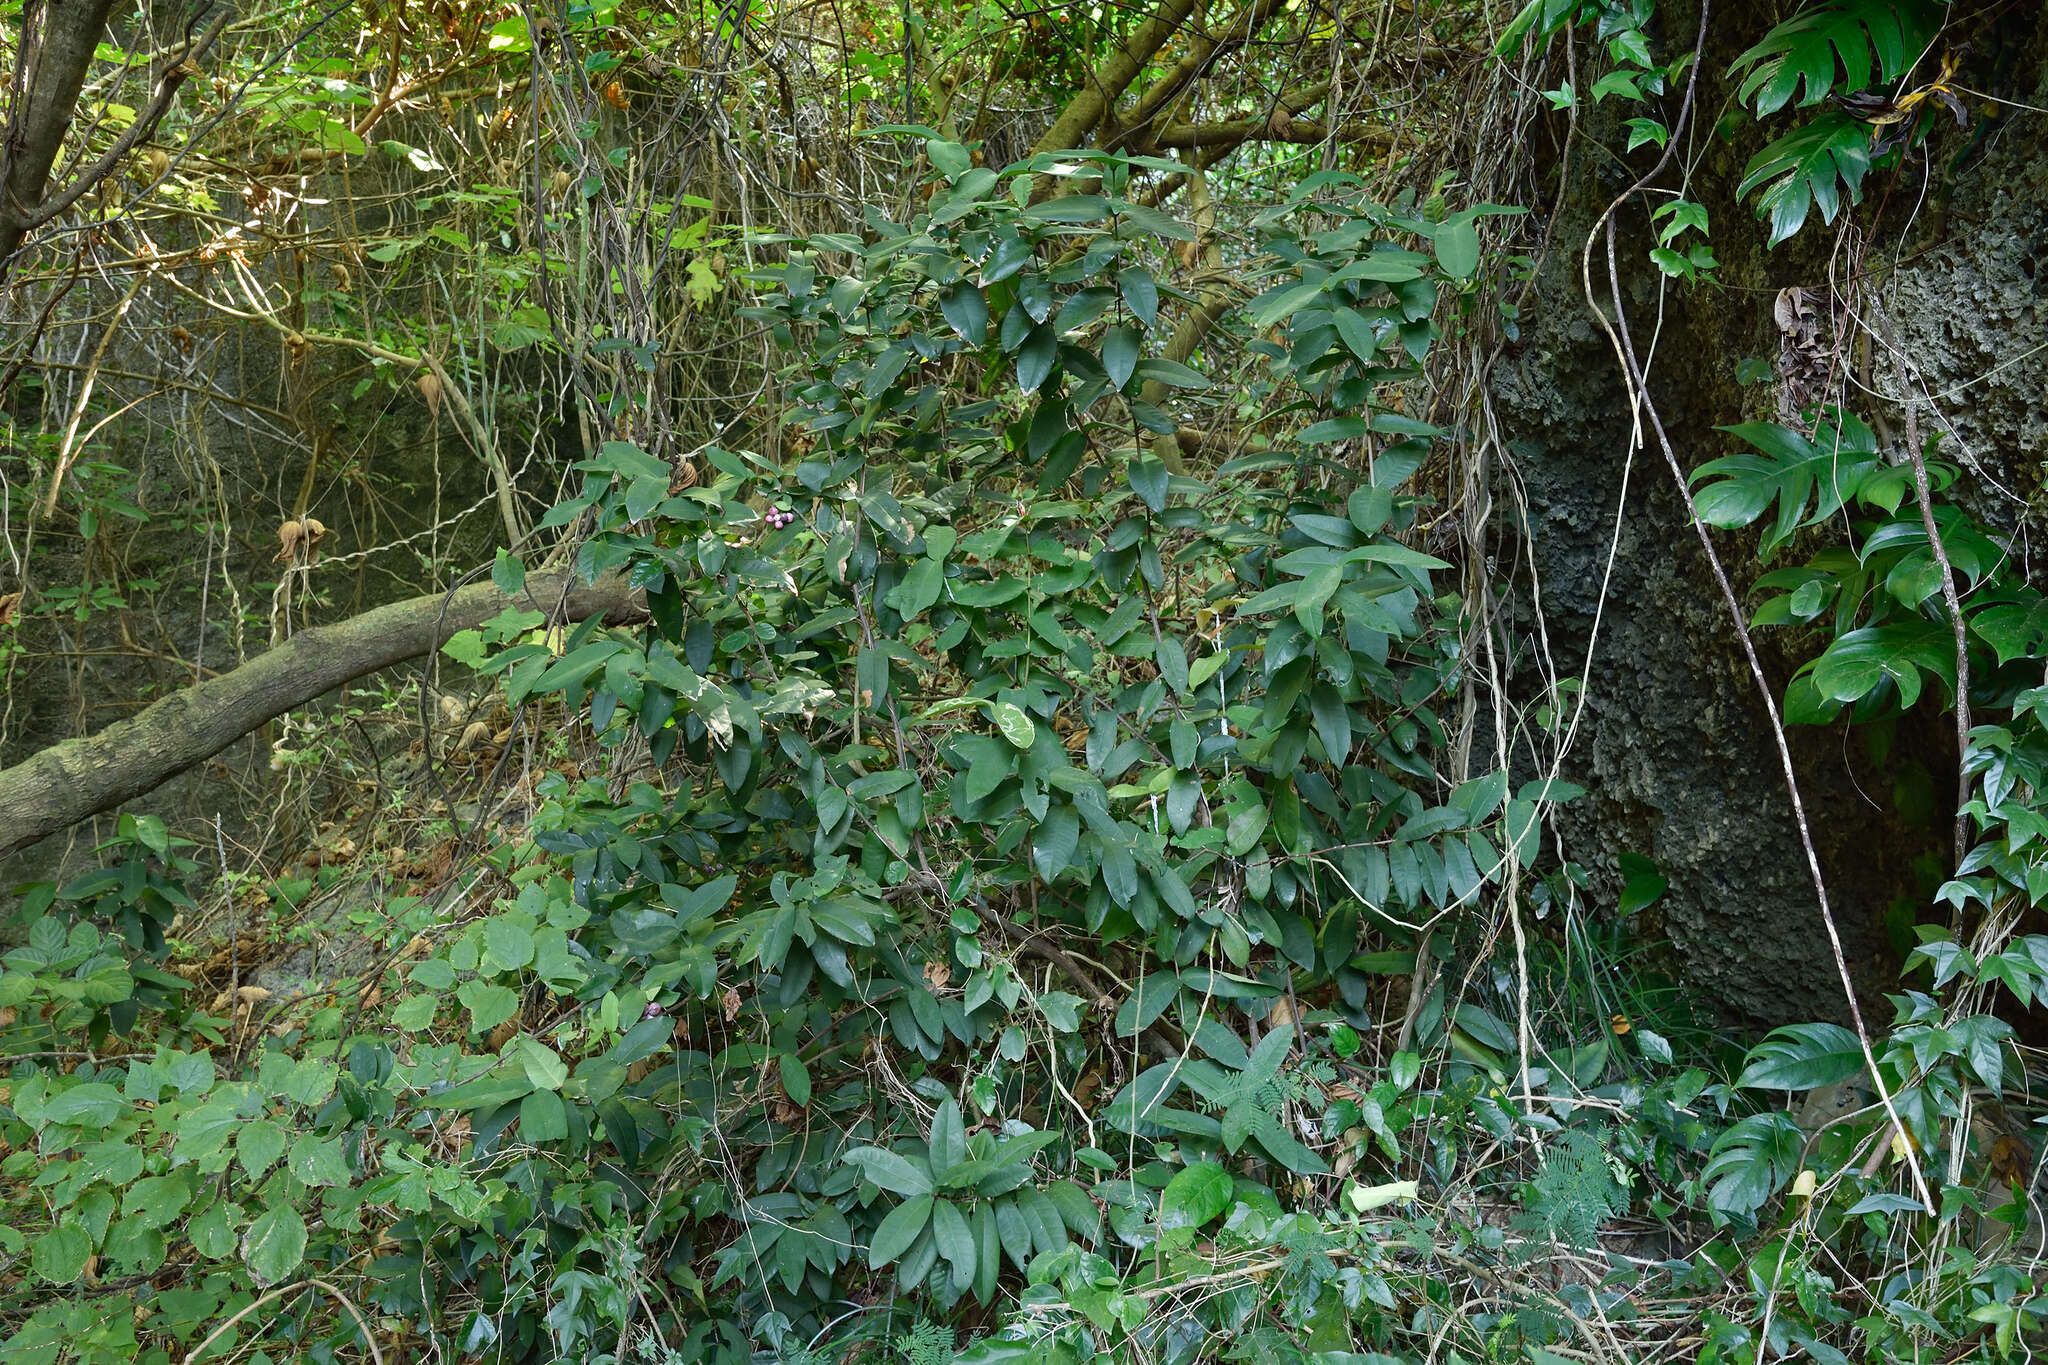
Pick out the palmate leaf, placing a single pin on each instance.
(1809, 481)
(1831, 45)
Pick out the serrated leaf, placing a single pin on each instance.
(94, 1104)
(58, 1256)
(543, 1066)
(488, 1005)
(543, 1117)
(259, 1146)
(416, 1012)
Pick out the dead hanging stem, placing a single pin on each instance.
(1950, 597)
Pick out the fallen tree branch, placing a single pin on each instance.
(80, 778)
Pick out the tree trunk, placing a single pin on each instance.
(1675, 750)
(61, 37)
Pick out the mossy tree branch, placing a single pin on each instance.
(80, 778)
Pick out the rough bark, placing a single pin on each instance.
(1674, 751)
(58, 41)
(61, 38)
(79, 778)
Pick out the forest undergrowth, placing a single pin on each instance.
(1059, 861)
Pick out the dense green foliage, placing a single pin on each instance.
(1025, 893)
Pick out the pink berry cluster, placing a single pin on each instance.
(777, 518)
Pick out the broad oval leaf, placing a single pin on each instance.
(955, 1241)
(1457, 248)
(1120, 355)
(899, 1230)
(1014, 723)
(966, 312)
(59, 1255)
(896, 1174)
(949, 1138)
(1803, 1057)
(275, 1244)
(1196, 1195)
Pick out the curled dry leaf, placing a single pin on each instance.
(288, 537)
(429, 385)
(9, 604)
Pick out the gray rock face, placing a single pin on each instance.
(1675, 748)
(1970, 310)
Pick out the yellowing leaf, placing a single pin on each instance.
(1365, 1198)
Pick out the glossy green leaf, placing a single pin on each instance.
(897, 1231)
(1197, 1194)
